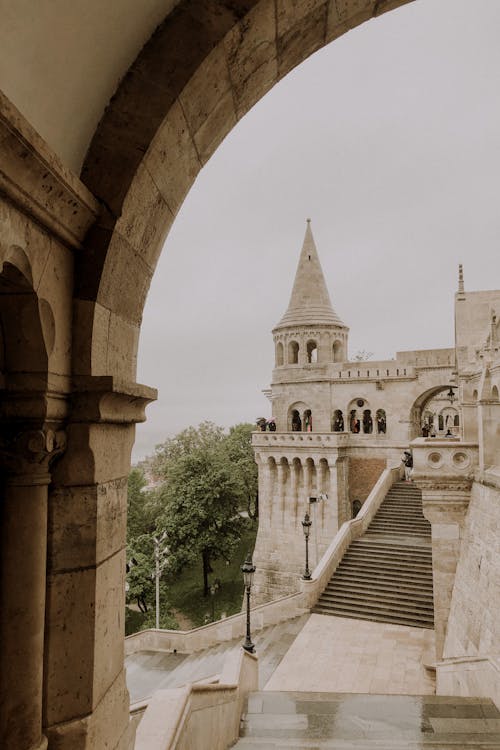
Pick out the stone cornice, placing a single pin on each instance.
(35, 180)
(105, 398)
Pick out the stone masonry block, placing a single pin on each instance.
(145, 218)
(302, 39)
(86, 524)
(172, 159)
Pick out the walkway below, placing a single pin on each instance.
(328, 721)
(341, 655)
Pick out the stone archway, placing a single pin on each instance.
(418, 408)
(202, 70)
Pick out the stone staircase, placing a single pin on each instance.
(386, 574)
(329, 721)
(148, 671)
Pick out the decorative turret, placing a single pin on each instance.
(310, 331)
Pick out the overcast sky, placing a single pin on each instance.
(388, 140)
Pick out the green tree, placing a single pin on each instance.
(238, 447)
(201, 499)
(205, 436)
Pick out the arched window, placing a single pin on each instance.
(441, 422)
(337, 351)
(494, 393)
(296, 421)
(356, 507)
(474, 395)
(338, 421)
(354, 423)
(367, 422)
(279, 354)
(307, 421)
(293, 353)
(381, 422)
(312, 352)
(456, 421)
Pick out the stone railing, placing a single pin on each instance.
(189, 641)
(448, 458)
(205, 717)
(309, 439)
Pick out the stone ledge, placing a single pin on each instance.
(37, 182)
(105, 398)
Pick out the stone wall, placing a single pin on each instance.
(474, 626)
(363, 475)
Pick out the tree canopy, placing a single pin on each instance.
(207, 476)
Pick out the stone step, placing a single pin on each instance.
(383, 578)
(329, 721)
(365, 541)
(423, 558)
(375, 614)
(372, 564)
(369, 589)
(380, 604)
(414, 553)
(375, 599)
(358, 583)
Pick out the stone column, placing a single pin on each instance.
(445, 503)
(86, 704)
(25, 463)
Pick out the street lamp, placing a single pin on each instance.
(306, 526)
(451, 395)
(248, 569)
(160, 563)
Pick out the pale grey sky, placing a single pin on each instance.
(388, 140)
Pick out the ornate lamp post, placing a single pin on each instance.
(248, 569)
(451, 395)
(306, 526)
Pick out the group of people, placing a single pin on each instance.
(266, 424)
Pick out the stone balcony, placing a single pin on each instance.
(444, 460)
(302, 439)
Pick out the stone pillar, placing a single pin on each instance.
(445, 503)
(489, 433)
(23, 548)
(86, 704)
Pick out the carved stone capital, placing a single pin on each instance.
(25, 458)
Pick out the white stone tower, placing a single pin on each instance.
(302, 459)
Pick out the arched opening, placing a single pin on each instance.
(338, 421)
(279, 354)
(307, 421)
(432, 414)
(494, 393)
(367, 422)
(356, 507)
(381, 421)
(337, 351)
(28, 444)
(296, 421)
(312, 352)
(293, 353)
(354, 422)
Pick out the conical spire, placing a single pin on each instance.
(309, 302)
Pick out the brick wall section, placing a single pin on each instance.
(474, 624)
(363, 474)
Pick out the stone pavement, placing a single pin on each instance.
(336, 654)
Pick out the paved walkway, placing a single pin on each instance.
(336, 654)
